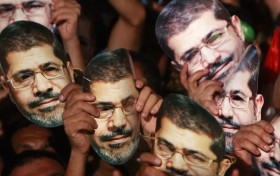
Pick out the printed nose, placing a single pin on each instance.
(19, 15)
(226, 109)
(209, 56)
(118, 119)
(177, 163)
(41, 85)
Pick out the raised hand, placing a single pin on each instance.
(202, 92)
(251, 138)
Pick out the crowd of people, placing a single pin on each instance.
(140, 87)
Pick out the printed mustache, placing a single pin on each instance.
(173, 171)
(42, 97)
(273, 165)
(229, 121)
(119, 131)
(215, 66)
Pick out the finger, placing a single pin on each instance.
(210, 83)
(265, 125)
(248, 146)
(74, 127)
(151, 101)
(194, 78)
(116, 173)
(242, 139)
(62, 11)
(59, 18)
(85, 97)
(139, 84)
(156, 107)
(150, 158)
(143, 97)
(81, 106)
(211, 106)
(68, 89)
(79, 117)
(259, 131)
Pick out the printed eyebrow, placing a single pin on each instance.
(127, 99)
(102, 103)
(29, 70)
(22, 71)
(208, 35)
(236, 92)
(188, 152)
(31, 2)
(108, 103)
(48, 64)
(166, 143)
(5, 5)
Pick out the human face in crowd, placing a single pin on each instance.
(268, 164)
(32, 137)
(219, 44)
(43, 166)
(36, 77)
(172, 143)
(117, 135)
(238, 106)
(28, 10)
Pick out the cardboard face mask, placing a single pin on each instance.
(268, 163)
(35, 70)
(195, 36)
(181, 120)
(239, 104)
(38, 11)
(110, 78)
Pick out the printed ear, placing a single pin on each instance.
(259, 104)
(175, 65)
(71, 71)
(237, 26)
(224, 166)
(4, 84)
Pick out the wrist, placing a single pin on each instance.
(78, 154)
(72, 42)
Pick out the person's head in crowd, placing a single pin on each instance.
(28, 10)
(35, 163)
(32, 137)
(146, 70)
(110, 78)
(189, 140)
(34, 70)
(268, 164)
(202, 34)
(239, 103)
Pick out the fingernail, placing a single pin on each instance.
(268, 139)
(138, 108)
(61, 97)
(157, 161)
(266, 147)
(270, 129)
(143, 114)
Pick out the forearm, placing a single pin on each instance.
(127, 31)
(72, 47)
(77, 164)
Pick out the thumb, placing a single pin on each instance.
(116, 173)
